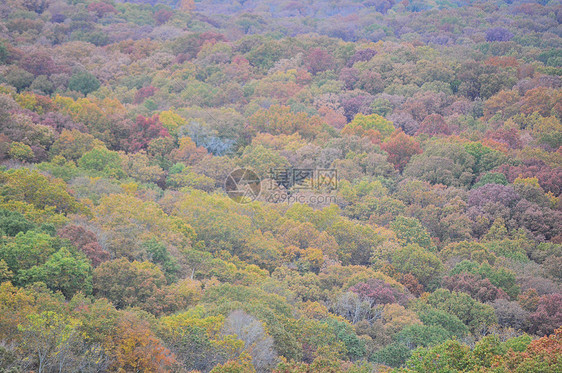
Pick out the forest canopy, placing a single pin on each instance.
(280, 186)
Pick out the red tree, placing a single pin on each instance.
(478, 288)
(144, 130)
(85, 241)
(434, 124)
(39, 63)
(400, 148)
(144, 93)
(319, 60)
(548, 315)
(101, 8)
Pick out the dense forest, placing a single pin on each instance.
(404, 211)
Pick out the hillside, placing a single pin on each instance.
(280, 186)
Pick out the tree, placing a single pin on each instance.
(364, 125)
(499, 277)
(449, 356)
(85, 241)
(63, 271)
(319, 60)
(472, 313)
(16, 304)
(393, 355)
(412, 258)
(187, 5)
(356, 241)
(196, 340)
(498, 34)
(490, 178)
(47, 339)
(468, 250)
(144, 130)
(135, 348)
(158, 253)
(263, 250)
(37, 6)
(480, 289)
(128, 283)
(415, 336)
(140, 167)
(263, 161)
(128, 222)
(541, 355)
(434, 124)
(39, 63)
(446, 320)
(3, 53)
(40, 191)
(510, 314)
(397, 317)
(400, 148)
(101, 9)
(257, 343)
(548, 315)
(549, 178)
(345, 334)
(438, 169)
(485, 158)
(350, 77)
(377, 292)
(27, 250)
(234, 366)
(162, 16)
(83, 82)
(13, 222)
(18, 78)
(548, 131)
(73, 144)
(361, 55)
(282, 120)
(102, 160)
(410, 231)
(20, 151)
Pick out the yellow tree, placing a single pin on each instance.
(187, 5)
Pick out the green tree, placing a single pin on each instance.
(393, 355)
(422, 335)
(449, 322)
(27, 250)
(102, 160)
(3, 52)
(472, 313)
(451, 356)
(410, 230)
(13, 222)
(84, 82)
(20, 151)
(158, 254)
(425, 266)
(64, 271)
